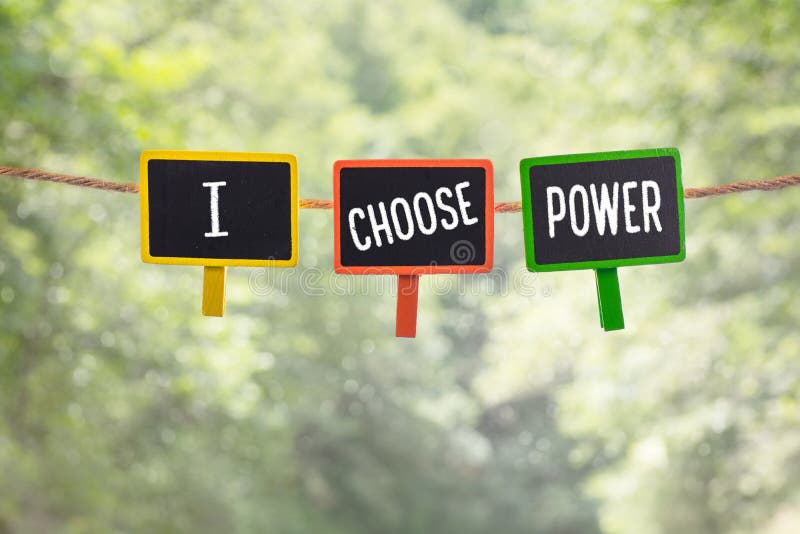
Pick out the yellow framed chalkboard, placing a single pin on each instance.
(219, 209)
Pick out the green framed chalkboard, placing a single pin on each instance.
(602, 211)
(594, 251)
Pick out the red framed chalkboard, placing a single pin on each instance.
(413, 217)
(423, 189)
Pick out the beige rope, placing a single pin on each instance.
(770, 184)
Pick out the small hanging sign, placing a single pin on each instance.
(602, 211)
(218, 209)
(413, 217)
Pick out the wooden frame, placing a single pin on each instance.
(191, 155)
(414, 269)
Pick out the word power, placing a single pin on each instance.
(603, 211)
(412, 217)
(218, 209)
(605, 208)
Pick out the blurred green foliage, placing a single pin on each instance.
(123, 410)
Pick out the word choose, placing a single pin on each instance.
(402, 219)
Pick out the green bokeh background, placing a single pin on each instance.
(122, 409)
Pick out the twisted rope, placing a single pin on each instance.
(769, 184)
(81, 181)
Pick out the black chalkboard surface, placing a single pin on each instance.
(413, 216)
(589, 211)
(219, 209)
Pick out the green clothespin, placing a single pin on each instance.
(609, 300)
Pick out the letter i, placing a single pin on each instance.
(215, 208)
